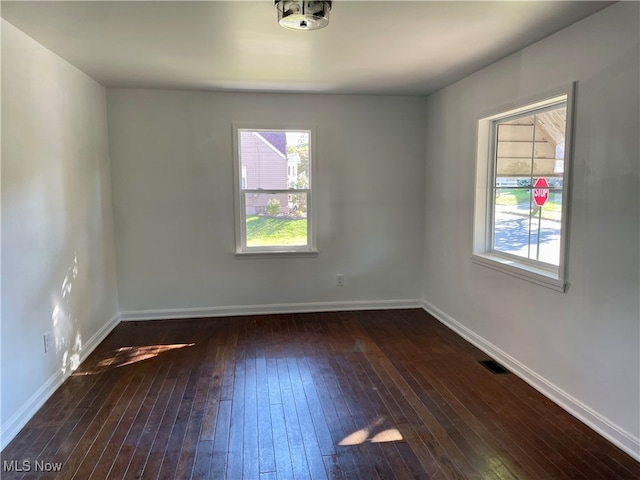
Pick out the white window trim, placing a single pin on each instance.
(241, 250)
(536, 272)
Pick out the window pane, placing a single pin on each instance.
(514, 147)
(275, 219)
(263, 159)
(298, 159)
(550, 221)
(531, 145)
(274, 159)
(526, 230)
(511, 231)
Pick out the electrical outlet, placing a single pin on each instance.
(47, 342)
(340, 280)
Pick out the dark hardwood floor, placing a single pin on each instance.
(370, 395)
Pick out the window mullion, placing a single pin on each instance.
(533, 156)
(493, 154)
(269, 191)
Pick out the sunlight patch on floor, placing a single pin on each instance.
(124, 356)
(372, 434)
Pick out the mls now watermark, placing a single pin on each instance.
(30, 466)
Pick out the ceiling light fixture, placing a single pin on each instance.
(300, 15)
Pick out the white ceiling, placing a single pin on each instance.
(380, 47)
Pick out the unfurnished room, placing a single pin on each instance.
(341, 239)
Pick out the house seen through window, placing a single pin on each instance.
(274, 190)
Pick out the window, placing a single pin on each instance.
(522, 189)
(273, 179)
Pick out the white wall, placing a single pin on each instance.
(173, 203)
(58, 266)
(581, 347)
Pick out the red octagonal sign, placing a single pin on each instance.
(540, 191)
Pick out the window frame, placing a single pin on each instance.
(241, 247)
(537, 272)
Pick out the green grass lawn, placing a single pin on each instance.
(515, 197)
(269, 231)
(512, 197)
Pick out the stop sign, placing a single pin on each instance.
(540, 191)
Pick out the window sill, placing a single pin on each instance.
(523, 271)
(278, 254)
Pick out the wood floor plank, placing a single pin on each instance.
(509, 428)
(208, 427)
(151, 427)
(536, 433)
(267, 462)
(283, 463)
(343, 460)
(406, 348)
(250, 448)
(582, 438)
(365, 415)
(318, 418)
(226, 388)
(388, 426)
(515, 458)
(297, 454)
(448, 456)
(192, 435)
(236, 426)
(65, 440)
(120, 445)
(162, 461)
(202, 462)
(315, 462)
(129, 445)
(382, 429)
(77, 450)
(343, 395)
(115, 433)
(221, 441)
(354, 420)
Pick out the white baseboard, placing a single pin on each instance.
(267, 309)
(608, 429)
(19, 419)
